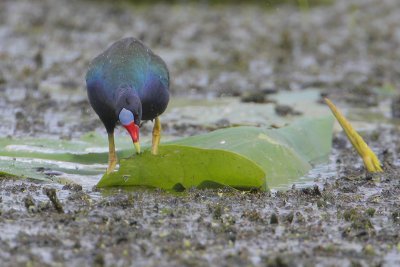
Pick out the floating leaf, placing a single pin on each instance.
(282, 154)
(206, 113)
(55, 160)
(178, 166)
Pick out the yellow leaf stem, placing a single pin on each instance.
(371, 161)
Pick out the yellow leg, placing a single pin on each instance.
(112, 156)
(156, 136)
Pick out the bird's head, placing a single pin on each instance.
(129, 115)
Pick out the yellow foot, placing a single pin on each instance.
(137, 147)
(112, 163)
(156, 136)
(371, 161)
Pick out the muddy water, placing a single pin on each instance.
(347, 50)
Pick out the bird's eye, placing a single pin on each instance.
(126, 117)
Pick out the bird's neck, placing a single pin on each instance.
(128, 98)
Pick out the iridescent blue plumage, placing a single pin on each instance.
(128, 75)
(127, 82)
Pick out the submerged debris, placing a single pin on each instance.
(29, 203)
(51, 194)
(395, 107)
(255, 97)
(274, 219)
(284, 110)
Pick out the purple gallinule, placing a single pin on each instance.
(126, 84)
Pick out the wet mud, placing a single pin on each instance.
(348, 50)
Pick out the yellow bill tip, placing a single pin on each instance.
(137, 147)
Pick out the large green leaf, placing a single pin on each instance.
(284, 154)
(178, 167)
(224, 157)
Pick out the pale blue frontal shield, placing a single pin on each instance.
(126, 117)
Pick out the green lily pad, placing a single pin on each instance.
(227, 156)
(178, 167)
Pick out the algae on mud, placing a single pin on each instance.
(240, 157)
